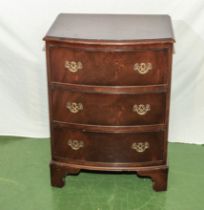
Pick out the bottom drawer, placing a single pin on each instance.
(76, 146)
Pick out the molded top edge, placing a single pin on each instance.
(111, 28)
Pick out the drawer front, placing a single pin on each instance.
(108, 68)
(108, 109)
(75, 145)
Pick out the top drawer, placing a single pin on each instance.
(110, 66)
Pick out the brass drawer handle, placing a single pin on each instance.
(75, 144)
(74, 107)
(142, 68)
(73, 66)
(140, 146)
(141, 109)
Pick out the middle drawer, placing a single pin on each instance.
(108, 109)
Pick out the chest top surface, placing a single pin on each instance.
(111, 27)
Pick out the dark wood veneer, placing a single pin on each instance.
(108, 87)
(119, 63)
(108, 109)
(108, 148)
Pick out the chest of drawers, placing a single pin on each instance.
(109, 92)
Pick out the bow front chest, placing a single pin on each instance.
(109, 93)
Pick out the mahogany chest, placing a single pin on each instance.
(109, 79)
